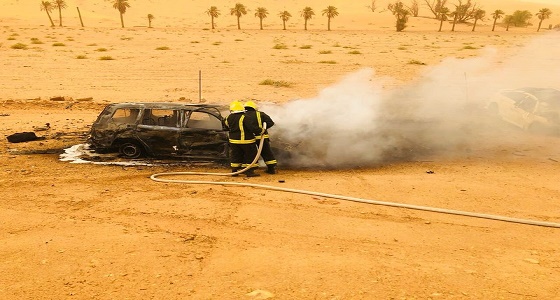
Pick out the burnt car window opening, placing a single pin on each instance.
(147, 118)
(161, 117)
(528, 103)
(125, 115)
(515, 96)
(202, 120)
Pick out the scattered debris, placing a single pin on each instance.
(61, 98)
(45, 128)
(38, 151)
(260, 294)
(4, 115)
(430, 172)
(531, 260)
(21, 137)
(552, 159)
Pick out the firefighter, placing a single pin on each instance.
(257, 118)
(241, 139)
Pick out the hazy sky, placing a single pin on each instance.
(542, 1)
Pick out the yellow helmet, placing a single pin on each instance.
(251, 104)
(236, 106)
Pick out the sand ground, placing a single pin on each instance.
(85, 231)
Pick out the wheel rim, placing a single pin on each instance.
(130, 150)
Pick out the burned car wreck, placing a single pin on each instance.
(532, 109)
(170, 130)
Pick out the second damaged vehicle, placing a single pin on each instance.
(190, 131)
(532, 109)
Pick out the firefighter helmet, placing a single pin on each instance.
(236, 106)
(251, 104)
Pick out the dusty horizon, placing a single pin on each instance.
(192, 14)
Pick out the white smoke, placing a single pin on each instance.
(356, 122)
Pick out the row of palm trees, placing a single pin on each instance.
(479, 14)
(49, 6)
(543, 14)
(240, 10)
(307, 13)
(120, 5)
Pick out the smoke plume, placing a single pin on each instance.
(357, 122)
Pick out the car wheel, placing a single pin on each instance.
(131, 150)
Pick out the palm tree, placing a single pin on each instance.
(479, 14)
(261, 13)
(307, 13)
(150, 18)
(442, 16)
(460, 12)
(47, 6)
(60, 4)
(508, 20)
(121, 5)
(496, 15)
(285, 16)
(543, 14)
(330, 12)
(238, 11)
(213, 12)
(455, 15)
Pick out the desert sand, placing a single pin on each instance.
(359, 95)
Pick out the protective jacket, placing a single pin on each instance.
(256, 119)
(240, 130)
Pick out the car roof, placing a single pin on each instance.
(163, 105)
(549, 95)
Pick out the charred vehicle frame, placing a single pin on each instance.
(188, 131)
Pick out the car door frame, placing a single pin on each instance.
(157, 139)
(216, 139)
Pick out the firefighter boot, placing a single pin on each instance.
(271, 169)
(251, 173)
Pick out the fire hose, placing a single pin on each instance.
(156, 176)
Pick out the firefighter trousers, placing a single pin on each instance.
(242, 155)
(266, 153)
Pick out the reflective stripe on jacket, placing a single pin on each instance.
(257, 118)
(240, 131)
